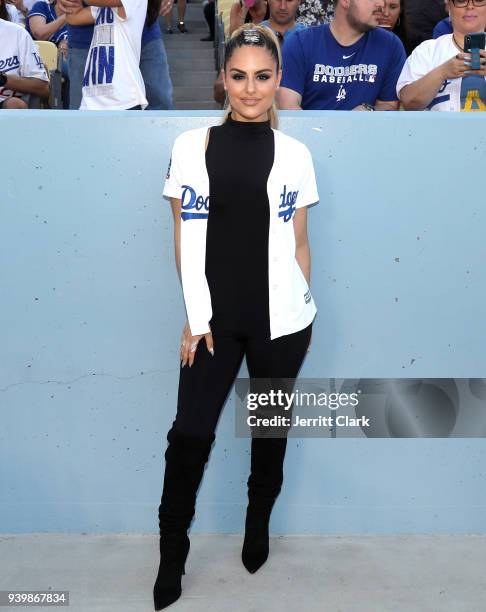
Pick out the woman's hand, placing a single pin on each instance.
(189, 345)
(237, 15)
(70, 7)
(455, 67)
(243, 10)
(460, 66)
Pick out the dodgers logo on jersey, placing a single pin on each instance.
(9, 63)
(366, 73)
(287, 203)
(439, 99)
(190, 202)
(38, 61)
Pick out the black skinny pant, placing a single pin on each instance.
(210, 15)
(204, 387)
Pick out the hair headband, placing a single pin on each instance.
(251, 36)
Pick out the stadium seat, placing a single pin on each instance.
(50, 57)
(48, 52)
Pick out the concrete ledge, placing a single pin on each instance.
(314, 573)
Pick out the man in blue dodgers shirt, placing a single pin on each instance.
(351, 64)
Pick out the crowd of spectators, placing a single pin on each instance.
(337, 54)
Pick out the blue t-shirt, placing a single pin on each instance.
(46, 10)
(289, 32)
(79, 37)
(151, 33)
(473, 94)
(443, 27)
(330, 76)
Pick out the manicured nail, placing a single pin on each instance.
(211, 350)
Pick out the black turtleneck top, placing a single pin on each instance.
(239, 158)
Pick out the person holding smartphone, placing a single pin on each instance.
(438, 75)
(248, 11)
(239, 194)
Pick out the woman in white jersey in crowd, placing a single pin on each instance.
(437, 76)
(112, 78)
(239, 193)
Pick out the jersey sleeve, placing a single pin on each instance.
(308, 187)
(31, 65)
(416, 66)
(173, 179)
(293, 64)
(388, 91)
(40, 9)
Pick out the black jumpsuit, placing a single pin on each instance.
(239, 158)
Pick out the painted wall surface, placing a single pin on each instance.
(92, 312)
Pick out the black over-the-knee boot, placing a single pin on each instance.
(185, 458)
(264, 484)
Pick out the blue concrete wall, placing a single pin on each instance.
(91, 316)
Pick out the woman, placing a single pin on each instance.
(390, 15)
(248, 11)
(438, 76)
(47, 21)
(153, 59)
(392, 18)
(243, 257)
(112, 77)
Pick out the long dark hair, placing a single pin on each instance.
(4, 14)
(257, 36)
(153, 10)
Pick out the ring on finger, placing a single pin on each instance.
(193, 347)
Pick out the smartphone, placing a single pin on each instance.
(472, 44)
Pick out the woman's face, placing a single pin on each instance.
(251, 80)
(390, 15)
(468, 19)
